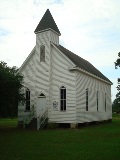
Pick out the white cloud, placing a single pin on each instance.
(89, 28)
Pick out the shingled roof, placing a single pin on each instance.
(47, 22)
(82, 63)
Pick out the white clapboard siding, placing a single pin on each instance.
(54, 38)
(47, 78)
(42, 68)
(82, 83)
(93, 116)
(36, 73)
(28, 71)
(60, 75)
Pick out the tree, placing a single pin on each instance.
(116, 103)
(10, 86)
(116, 106)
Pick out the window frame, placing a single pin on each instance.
(42, 52)
(97, 98)
(87, 99)
(27, 100)
(105, 102)
(63, 99)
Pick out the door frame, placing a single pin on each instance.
(41, 95)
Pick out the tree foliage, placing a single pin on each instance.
(10, 95)
(116, 105)
(116, 102)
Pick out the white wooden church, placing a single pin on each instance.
(59, 85)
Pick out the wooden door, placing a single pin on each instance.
(41, 105)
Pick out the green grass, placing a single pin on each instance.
(100, 142)
(8, 122)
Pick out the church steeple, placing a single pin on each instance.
(47, 22)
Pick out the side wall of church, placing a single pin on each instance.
(98, 108)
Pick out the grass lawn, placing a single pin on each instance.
(99, 142)
(8, 122)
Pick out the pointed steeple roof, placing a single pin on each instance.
(47, 22)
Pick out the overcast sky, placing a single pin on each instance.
(89, 28)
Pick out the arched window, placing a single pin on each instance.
(63, 98)
(42, 53)
(27, 107)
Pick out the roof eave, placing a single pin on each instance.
(59, 34)
(92, 75)
(63, 54)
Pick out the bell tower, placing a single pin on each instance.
(46, 32)
(48, 27)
